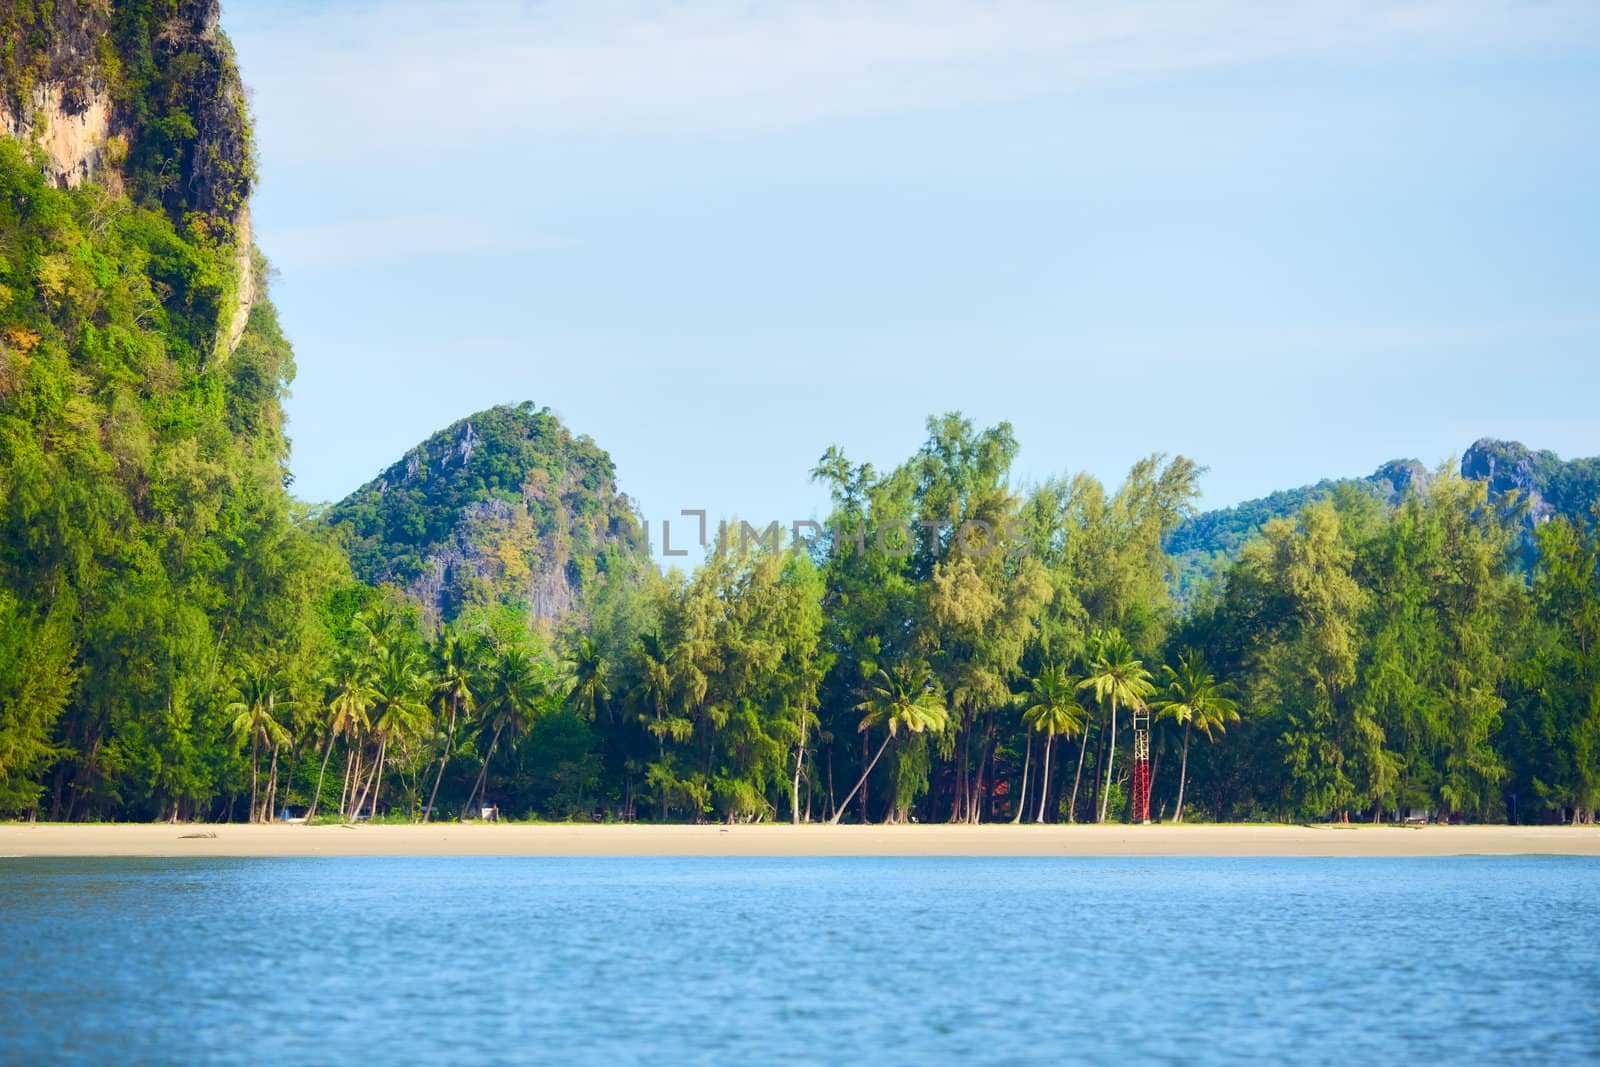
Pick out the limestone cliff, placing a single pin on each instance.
(1547, 484)
(506, 506)
(138, 96)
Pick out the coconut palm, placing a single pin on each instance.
(1052, 710)
(513, 697)
(901, 700)
(655, 685)
(457, 666)
(349, 696)
(255, 716)
(379, 625)
(660, 671)
(1195, 698)
(1117, 677)
(587, 668)
(399, 688)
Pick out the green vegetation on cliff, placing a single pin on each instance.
(1203, 545)
(148, 549)
(505, 507)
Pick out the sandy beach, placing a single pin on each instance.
(617, 840)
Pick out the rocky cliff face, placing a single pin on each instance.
(1509, 467)
(137, 97)
(503, 507)
(1547, 484)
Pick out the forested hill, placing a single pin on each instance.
(504, 507)
(1202, 545)
(147, 547)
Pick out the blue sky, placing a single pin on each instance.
(1290, 241)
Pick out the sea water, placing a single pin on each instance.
(888, 961)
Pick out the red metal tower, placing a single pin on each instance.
(1141, 765)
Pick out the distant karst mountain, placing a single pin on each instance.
(503, 507)
(1202, 546)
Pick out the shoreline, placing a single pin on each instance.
(21, 840)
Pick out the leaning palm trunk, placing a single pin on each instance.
(272, 787)
(365, 789)
(1022, 794)
(1083, 748)
(483, 775)
(837, 815)
(255, 773)
(449, 747)
(1111, 760)
(1044, 779)
(1183, 773)
(316, 798)
(377, 777)
(352, 778)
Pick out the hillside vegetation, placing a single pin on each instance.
(505, 507)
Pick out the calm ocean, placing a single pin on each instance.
(887, 961)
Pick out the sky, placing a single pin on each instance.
(1290, 241)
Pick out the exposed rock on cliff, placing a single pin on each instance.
(137, 96)
(1546, 483)
(504, 507)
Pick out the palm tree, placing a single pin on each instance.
(1053, 709)
(348, 699)
(587, 668)
(1116, 675)
(457, 663)
(254, 715)
(515, 691)
(1195, 698)
(379, 625)
(655, 684)
(658, 684)
(1027, 758)
(399, 685)
(902, 699)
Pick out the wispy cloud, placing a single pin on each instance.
(438, 75)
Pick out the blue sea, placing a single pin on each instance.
(726, 961)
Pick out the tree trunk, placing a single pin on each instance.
(831, 806)
(483, 775)
(794, 789)
(980, 797)
(365, 789)
(449, 747)
(861, 785)
(272, 784)
(350, 758)
(1044, 777)
(1183, 773)
(255, 773)
(316, 797)
(1022, 794)
(661, 757)
(377, 778)
(1111, 759)
(288, 781)
(1083, 747)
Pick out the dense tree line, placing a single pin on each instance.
(180, 639)
(1355, 661)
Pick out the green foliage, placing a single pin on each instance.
(143, 520)
(1203, 546)
(533, 508)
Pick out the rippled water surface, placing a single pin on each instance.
(800, 960)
